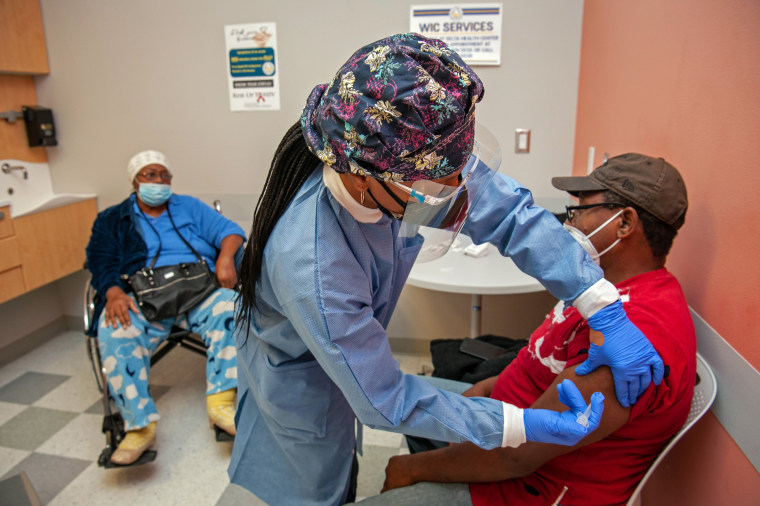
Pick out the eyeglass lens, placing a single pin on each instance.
(152, 175)
(570, 210)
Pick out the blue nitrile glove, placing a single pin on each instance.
(547, 426)
(630, 355)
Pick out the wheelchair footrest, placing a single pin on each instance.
(222, 436)
(105, 458)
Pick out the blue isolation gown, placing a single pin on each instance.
(316, 354)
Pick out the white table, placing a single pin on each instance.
(456, 272)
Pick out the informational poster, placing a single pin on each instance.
(472, 30)
(252, 67)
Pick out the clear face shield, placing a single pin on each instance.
(437, 211)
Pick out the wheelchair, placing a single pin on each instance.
(113, 424)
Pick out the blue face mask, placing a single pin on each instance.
(154, 194)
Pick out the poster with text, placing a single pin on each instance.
(252, 67)
(472, 30)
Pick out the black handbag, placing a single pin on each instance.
(171, 290)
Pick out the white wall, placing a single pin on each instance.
(127, 76)
(28, 320)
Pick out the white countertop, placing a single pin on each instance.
(50, 202)
(456, 272)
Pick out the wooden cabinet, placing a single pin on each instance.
(22, 55)
(43, 247)
(6, 224)
(16, 91)
(11, 284)
(11, 275)
(22, 38)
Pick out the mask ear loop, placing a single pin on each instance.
(393, 195)
(598, 255)
(614, 243)
(387, 212)
(605, 223)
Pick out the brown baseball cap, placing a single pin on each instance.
(651, 183)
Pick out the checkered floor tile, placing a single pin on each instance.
(50, 429)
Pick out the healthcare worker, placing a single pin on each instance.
(382, 156)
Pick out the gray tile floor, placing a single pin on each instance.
(50, 428)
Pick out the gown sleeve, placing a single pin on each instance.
(329, 302)
(533, 238)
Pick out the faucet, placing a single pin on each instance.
(7, 168)
(218, 206)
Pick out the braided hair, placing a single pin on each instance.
(291, 165)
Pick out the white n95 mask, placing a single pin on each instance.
(585, 240)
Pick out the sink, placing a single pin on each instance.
(31, 190)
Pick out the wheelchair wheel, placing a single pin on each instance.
(94, 353)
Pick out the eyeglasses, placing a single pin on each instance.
(152, 175)
(571, 209)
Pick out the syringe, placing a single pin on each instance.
(582, 418)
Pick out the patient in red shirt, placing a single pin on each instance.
(629, 210)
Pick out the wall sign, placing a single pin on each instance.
(252, 67)
(472, 30)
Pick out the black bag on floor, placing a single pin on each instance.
(450, 363)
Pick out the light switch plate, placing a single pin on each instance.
(522, 140)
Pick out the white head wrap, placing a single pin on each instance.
(143, 158)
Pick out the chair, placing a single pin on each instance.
(704, 395)
(113, 424)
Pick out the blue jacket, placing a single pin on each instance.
(117, 245)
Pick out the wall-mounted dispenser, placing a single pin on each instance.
(40, 129)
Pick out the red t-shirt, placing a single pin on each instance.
(605, 472)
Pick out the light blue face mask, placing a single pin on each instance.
(154, 194)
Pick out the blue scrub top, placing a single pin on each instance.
(203, 227)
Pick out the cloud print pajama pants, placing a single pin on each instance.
(126, 354)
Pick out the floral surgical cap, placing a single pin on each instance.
(401, 109)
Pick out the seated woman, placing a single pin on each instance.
(125, 238)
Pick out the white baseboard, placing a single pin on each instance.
(24, 345)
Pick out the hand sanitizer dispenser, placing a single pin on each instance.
(40, 129)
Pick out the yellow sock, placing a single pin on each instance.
(134, 439)
(226, 398)
(221, 409)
